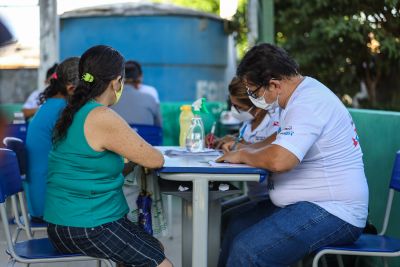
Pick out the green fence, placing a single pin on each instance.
(379, 138)
(170, 114)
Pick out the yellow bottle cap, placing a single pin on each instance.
(186, 108)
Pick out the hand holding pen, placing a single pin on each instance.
(211, 137)
(230, 146)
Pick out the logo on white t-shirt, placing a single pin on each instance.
(355, 139)
(286, 131)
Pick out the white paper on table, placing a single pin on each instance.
(184, 152)
(227, 165)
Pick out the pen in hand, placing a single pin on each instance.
(211, 136)
(239, 138)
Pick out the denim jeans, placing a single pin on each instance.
(266, 235)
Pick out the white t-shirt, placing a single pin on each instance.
(317, 128)
(268, 126)
(147, 89)
(33, 99)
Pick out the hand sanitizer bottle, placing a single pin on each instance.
(195, 135)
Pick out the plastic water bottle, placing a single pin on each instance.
(195, 136)
(185, 119)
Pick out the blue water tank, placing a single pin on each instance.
(184, 53)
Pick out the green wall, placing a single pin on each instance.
(170, 113)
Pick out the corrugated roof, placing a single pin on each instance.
(136, 9)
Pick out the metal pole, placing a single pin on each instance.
(49, 44)
(200, 222)
(266, 27)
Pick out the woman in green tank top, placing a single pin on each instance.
(85, 206)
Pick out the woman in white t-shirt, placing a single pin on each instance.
(258, 125)
(318, 189)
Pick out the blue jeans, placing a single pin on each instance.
(266, 235)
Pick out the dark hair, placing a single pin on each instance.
(238, 90)
(264, 62)
(65, 74)
(102, 62)
(51, 71)
(133, 72)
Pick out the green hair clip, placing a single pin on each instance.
(87, 77)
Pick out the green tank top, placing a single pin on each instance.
(84, 187)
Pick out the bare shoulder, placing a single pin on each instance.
(104, 117)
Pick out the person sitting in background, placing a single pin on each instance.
(138, 81)
(32, 103)
(85, 205)
(258, 125)
(40, 132)
(136, 105)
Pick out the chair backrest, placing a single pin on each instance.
(395, 180)
(18, 146)
(17, 130)
(10, 179)
(152, 134)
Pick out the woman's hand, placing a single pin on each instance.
(221, 141)
(211, 139)
(230, 146)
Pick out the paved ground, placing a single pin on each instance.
(172, 246)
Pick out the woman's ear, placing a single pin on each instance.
(116, 83)
(70, 89)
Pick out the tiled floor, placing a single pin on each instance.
(172, 245)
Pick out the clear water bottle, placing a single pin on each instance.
(195, 135)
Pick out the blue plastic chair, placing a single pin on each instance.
(17, 130)
(32, 250)
(372, 245)
(18, 146)
(152, 134)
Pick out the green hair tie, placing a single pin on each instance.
(87, 77)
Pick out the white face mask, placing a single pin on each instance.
(242, 115)
(261, 103)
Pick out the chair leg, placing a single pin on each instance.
(16, 234)
(324, 262)
(98, 263)
(357, 262)
(385, 262)
(169, 218)
(316, 259)
(340, 260)
(109, 263)
(11, 263)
